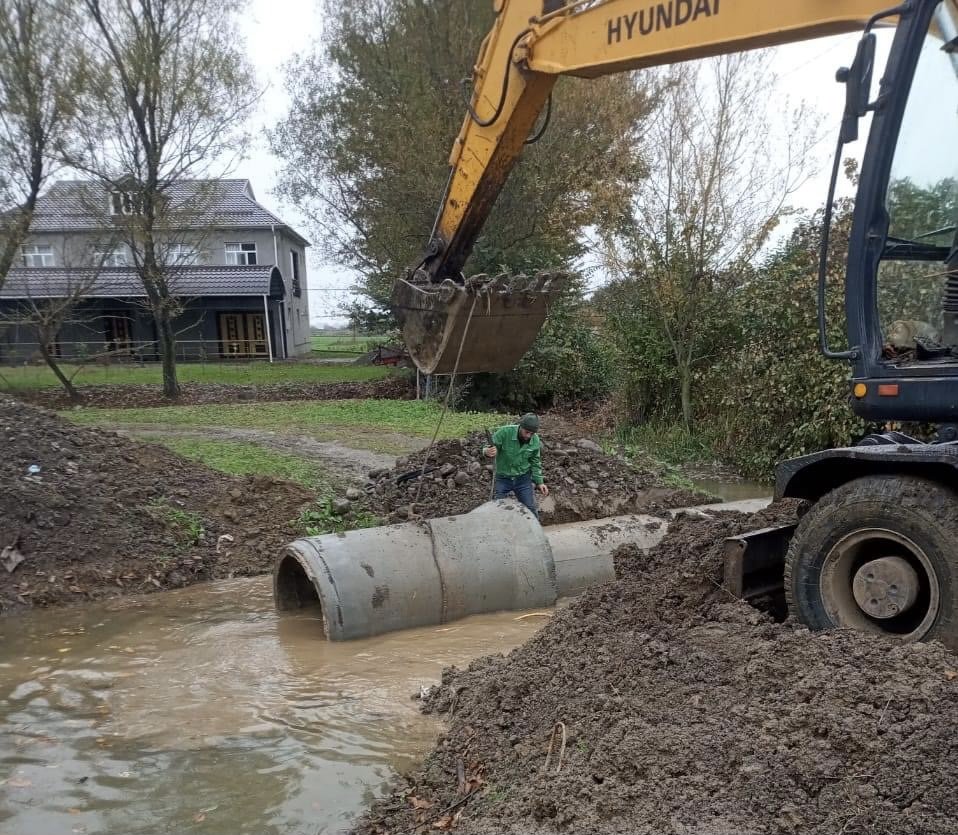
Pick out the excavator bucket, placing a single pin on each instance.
(486, 324)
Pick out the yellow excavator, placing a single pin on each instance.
(877, 548)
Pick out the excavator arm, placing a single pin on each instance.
(451, 324)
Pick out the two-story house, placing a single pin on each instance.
(237, 269)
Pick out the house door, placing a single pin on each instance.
(117, 333)
(242, 335)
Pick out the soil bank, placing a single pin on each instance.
(671, 708)
(87, 514)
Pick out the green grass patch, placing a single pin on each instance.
(247, 458)
(671, 444)
(187, 525)
(409, 417)
(665, 449)
(21, 378)
(319, 518)
(345, 344)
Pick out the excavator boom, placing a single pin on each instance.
(451, 324)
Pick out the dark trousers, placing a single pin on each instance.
(522, 486)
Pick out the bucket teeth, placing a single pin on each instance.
(486, 323)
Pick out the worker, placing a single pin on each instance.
(518, 453)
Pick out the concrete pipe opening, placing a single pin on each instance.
(292, 588)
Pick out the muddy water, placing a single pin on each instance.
(202, 711)
(734, 491)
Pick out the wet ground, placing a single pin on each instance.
(200, 710)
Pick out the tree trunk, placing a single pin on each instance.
(51, 362)
(685, 382)
(167, 339)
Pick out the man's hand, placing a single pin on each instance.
(490, 452)
(542, 489)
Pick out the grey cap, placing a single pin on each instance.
(530, 422)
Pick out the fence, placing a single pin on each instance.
(108, 353)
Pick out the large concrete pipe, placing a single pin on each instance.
(496, 558)
(376, 580)
(582, 551)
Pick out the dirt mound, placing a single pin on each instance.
(585, 483)
(195, 394)
(92, 515)
(684, 711)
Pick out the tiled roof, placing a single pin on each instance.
(227, 204)
(123, 282)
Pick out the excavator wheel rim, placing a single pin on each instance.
(848, 555)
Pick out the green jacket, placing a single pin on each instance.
(513, 458)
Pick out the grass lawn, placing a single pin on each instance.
(409, 417)
(346, 345)
(255, 373)
(246, 458)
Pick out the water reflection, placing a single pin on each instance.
(201, 711)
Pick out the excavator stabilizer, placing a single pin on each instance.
(485, 324)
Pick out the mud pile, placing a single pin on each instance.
(675, 709)
(193, 394)
(86, 514)
(584, 483)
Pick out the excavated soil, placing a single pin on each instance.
(584, 482)
(685, 711)
(196, 394)
(87, 514)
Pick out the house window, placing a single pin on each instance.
(240, 255)
(115, 257)
(178, 255)
(37, 255)
(124, 203)
(294, 259)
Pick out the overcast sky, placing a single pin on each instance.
(276, 30)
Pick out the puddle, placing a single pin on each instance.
(202, 711)
(734, 491)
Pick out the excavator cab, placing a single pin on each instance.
(901, 285)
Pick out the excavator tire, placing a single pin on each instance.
(879, 554)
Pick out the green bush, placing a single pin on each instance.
(570, 360)
(776, 396)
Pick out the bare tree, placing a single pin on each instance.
(51, 302)
(172, 90)
(46, 315)
(41, 76)
(724, 152)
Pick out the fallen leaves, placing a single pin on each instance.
(447, 822)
